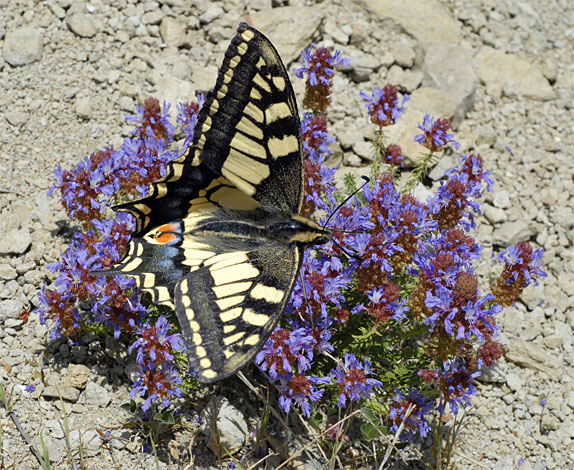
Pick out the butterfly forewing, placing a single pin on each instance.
(248, 129)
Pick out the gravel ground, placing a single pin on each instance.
(503, 70)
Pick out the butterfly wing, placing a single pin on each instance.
(228, 308)
(248, 129)
(190, 248)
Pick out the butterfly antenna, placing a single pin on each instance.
(366, 180)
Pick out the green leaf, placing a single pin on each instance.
(370, 432)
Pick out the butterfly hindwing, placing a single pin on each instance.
(165, 254)
(229, 307)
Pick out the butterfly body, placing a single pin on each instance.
(220, 238)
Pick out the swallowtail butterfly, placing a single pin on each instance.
(220, 237)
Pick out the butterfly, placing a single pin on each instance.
(220, 238)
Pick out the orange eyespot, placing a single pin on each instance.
(167, 233)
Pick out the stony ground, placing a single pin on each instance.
(502, 70)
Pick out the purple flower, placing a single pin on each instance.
(158, 376)
(301, 391)
(435, 135)
(384, 106)
(153, 121)
(187, 116)
(319, 65)
(416, 422)
(286, 350)
(29, 388)
(351, 377)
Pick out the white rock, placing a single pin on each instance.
(82, 25)
(23, 46)
(230, 424)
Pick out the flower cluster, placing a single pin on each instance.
(393, 260)
(435, 136)
(522, 265)
(462, 189)
(394, 155)
(397, 221)
(384, 105)
(395, 284)
(319, 65)
(318, 178)
(351, 377)
(158, 376)
(413, 423)
(385, 109)
(87, 191)
(187, 116)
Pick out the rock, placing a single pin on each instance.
(83, 107)
(78, 376)
(82, 25)
(55, 428)
(510, 233)
(68, 393)
(427, 20)
(492, 374)
(55, 450)
(90, 440)
(445, 163)
(260, 4)
(16, 118)
(336, 32)
(352, 159)
(10, 308)
(486, 136)
(406, 80)
(527, 354)
(96, 395)
(174, 90)
(404, 55)
(564, 332)
(514, 76)
(493, 214)
(23, 46)
(152, 17)
(172, 31)
(211, 14)
(563, 216)
(126, 104)
(549, 422)
(230, 424)
(361, 65)
(513, 381)
(449, 67)
(364, 150)
(290, 28)
(57, 10)
(501, 199)
(7, 272)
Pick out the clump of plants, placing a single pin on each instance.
(387, 318)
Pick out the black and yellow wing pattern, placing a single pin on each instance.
(220, 236)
